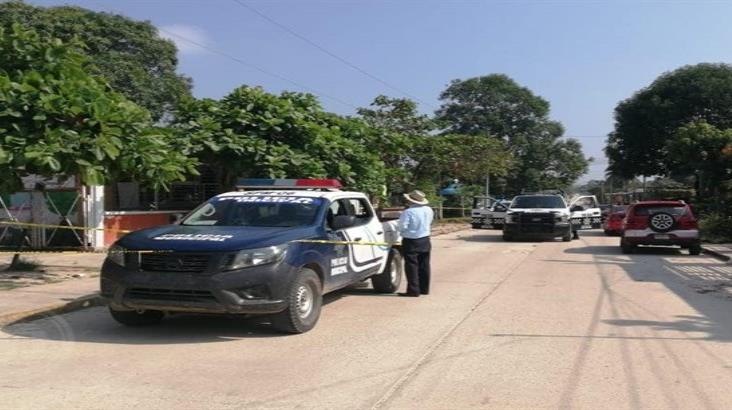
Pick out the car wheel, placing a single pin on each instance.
(137, 318)
(695, 249)
(626, 247)
(607, 233)
(567, 236)
(389, 280)
(304, 300)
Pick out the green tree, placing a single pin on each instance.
(56, 119)
(705, 151)
(257, 134)
(398, 129)
(495, 106)
(129, 54)
(646, 121)
(465, 157)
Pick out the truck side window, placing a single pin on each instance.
(361, 210)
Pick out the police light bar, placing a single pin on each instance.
(257, 183)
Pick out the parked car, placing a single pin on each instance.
(669, 223)
(613, 223)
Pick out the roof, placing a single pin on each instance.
(331, 195)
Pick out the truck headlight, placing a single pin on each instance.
(116, 254)
(260, 256)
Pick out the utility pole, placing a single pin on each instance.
(487, 185)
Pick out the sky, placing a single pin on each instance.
(582, 56)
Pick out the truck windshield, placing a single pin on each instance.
(256, 211)
(549, 201)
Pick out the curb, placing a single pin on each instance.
(83, 302)
(716, 254)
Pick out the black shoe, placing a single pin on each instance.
(411, 295)
(424, 293)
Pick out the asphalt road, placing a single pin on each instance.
(508, 325)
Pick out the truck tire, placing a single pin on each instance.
(567, 236)
(304, 300)
(389, 280)
(507, 237)
(137, 318)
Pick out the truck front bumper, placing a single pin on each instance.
(253, 290)
(537, 230)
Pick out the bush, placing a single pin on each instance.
(716, 228)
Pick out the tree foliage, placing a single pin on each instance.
(646, 121)
(129, 54)
(56, 119)
(257, 134)
(465, 157)
(398, 129)
(495, 106)
(705, 151)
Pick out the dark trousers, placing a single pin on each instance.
(416, 253)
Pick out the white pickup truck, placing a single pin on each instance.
(548, 216)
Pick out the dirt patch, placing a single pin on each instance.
(40, 269)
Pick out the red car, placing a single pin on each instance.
(613, 224)
(660, 223)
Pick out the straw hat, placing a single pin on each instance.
(416, 197)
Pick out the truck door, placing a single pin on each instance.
(357, 260)
(585, 213)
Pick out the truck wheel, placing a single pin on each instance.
(567, 236)
(304, 300)
(389, 280)
(136, 318)
(695, 249)
(507, 237)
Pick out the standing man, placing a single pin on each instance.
(414, 226)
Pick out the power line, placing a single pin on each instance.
(330, 53)
(255, 67)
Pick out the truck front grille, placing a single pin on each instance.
(531, 219)
(174, 262)
(170, 294)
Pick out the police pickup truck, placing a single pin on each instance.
(272, 251)
(544, 216)
(490, 217)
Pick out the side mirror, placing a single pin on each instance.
(343, 221)
(576, 208)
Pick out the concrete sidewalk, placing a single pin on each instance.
(720, 251)
(61, 282)
(41, 300)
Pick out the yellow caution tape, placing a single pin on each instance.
(346, 242)
(78, 228)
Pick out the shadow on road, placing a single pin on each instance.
(699, 281)
(95, 325)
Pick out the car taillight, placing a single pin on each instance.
(634, 222)
(688, 222)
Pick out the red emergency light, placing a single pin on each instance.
(305, 183)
